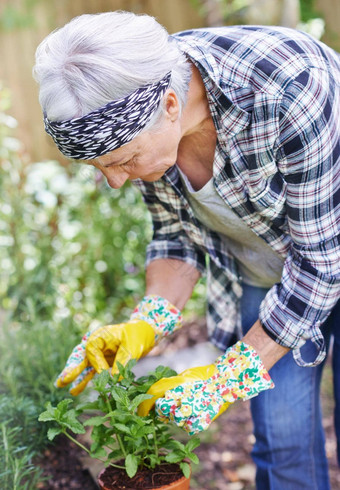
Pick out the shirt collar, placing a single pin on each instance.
(228, 117)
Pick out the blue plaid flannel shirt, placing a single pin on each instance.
(274, 95)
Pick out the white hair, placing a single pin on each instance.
(95, 59)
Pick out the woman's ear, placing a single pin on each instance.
(171, 105)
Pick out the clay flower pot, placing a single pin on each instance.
(111, 479)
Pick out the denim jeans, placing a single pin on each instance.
(289, 451)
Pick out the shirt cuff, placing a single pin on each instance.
(179, 250)
(279, 323)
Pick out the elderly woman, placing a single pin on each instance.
(232, 136)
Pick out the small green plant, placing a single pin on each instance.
(118, 432)
(17, 471)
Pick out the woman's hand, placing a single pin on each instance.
(102, 349)
(198, 396)
(153, 319)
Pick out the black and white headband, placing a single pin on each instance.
(109, 127)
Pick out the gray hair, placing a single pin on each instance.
(95, 59)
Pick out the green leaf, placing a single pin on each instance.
(101, 433)
(134, 430)
(173, 457)
(53, 432)
(131, 465)
(101, 381)
(193, 444)
(95, 405)
(123, 428)
(143, 431)
(138, 400)
(114, 455)
(126, 372)
(175, 445)
(70, 420)
(94, 447)
(49, 414)
(98, 420)
(154, 460)
(185, 467)
(46, 417)
(63, 406)
(120, 396)
(193, 457)
(99, 453)
(164, 372)
(121, 369)
(130, 365)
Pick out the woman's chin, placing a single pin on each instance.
(153, 177)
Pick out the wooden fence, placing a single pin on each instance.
(330, 11)
(18, 45)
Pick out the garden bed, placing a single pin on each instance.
(63, 468)
(225, 462)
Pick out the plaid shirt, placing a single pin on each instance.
(274, 98)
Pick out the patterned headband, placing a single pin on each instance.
(109, 127)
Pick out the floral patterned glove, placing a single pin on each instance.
(164, 317)
(151, 320)
(239, 374)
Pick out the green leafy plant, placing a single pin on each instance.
(119, 434)
(16, 468)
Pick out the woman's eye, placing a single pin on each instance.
(128, 164)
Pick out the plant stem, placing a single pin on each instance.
(121, 445)
(117, 466)
(89, 452)
(122, 448)
(76, 442)
(155, 438)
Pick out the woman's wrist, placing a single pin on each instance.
(172, 279)
(269, 351)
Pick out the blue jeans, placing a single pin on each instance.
(289, 451)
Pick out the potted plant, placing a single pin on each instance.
(138, 452)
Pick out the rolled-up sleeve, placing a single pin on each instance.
(308, 157)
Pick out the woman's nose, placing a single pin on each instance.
(116, 181)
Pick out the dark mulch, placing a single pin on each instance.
(63, 469)
(225, 462)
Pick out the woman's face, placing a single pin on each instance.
(148, 156)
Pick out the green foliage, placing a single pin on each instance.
(308, 10)
(118, 432)
(21, 15)
(71, 257)
(16, 469)
(75, 251)
(227, 8)
(19, 436)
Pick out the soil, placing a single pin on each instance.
(144, 479)
(63, 469)
(224, 454)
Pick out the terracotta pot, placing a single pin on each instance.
(182, 484)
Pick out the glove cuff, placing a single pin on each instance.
(243, 372)
(163, 317)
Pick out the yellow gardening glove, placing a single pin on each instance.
(103, 349)
(196, 397)
(152, 319)
(158, 389)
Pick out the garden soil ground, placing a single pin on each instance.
(225, 462)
